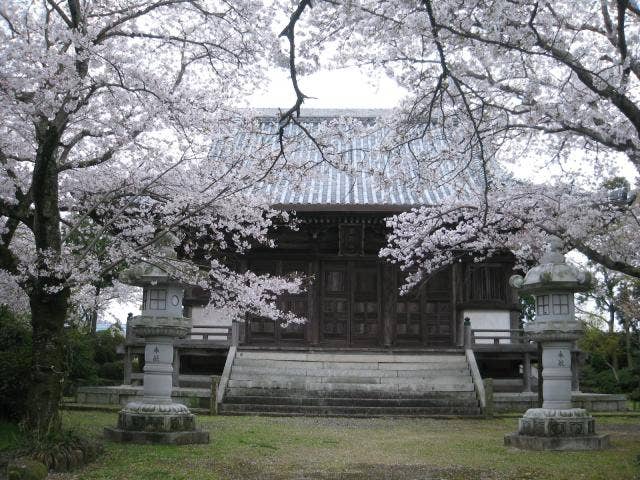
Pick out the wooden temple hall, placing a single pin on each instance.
(365, 349)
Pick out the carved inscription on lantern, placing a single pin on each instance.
(561, 359)
(351, 239)
(156, 356)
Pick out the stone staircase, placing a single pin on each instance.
(349, 384)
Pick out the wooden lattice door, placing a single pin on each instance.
(335, 304)
(365, 320)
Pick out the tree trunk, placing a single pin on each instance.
(612, 319)
(48, 313)
(48, 293)
(93, 316)
(627, 342)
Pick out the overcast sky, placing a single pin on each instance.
(344, 88)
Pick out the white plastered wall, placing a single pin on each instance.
(488, 319)
(209, 317)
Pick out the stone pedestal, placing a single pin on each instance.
(156, 419)
(549, 429)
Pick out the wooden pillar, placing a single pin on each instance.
(313, 329)
(456, 300)
(243, 266)
(454, 307)
(389, 299)
(468, 335)
(526, 373)
(235, 333)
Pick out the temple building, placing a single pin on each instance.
(365, 349)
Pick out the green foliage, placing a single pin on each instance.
(601, 374)
(601, 347)
(111, 372)
(79, 360)
(26, 469)
(60, 451)
(15, 363)
(527, 308)
(92, 359)
(604, 381)
(105, 344)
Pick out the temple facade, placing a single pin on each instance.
(352, 298)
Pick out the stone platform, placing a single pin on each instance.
(509, 402)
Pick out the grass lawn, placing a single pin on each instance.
(274, 448)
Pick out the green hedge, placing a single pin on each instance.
(15, 363)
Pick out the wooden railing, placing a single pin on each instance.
(206, 333)
(485, 336)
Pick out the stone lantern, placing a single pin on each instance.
(555, 426)
(156, 418)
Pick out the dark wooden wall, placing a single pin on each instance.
(353, 299)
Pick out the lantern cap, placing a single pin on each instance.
(553, 274)
(161, 270)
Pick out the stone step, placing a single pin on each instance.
(286, 378)
(347, 393)
(241, 408)
(410, 385)
(309, 365)
(353, 402)
(346, 357)
(319, 371)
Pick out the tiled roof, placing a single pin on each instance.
(366, 179)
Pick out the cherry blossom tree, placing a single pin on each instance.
(108, 111)
(501, 84)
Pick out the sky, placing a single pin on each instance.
(344, 88)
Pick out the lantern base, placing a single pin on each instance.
(163, 423)
(162, 438)
(527, 442)
(556, 429)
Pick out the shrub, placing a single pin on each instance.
(26, 469)
(604, 381)
(79, 358)
(111, 372)
(15, 363)
(62, 451)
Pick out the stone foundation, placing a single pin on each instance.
(589, 442)
(561, 429)
(163, 438)
(170, 423)
(507, 402)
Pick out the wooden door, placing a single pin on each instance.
(438, 310)
(350, 300)
(297, 304)
(365, 319)
(335, 302)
